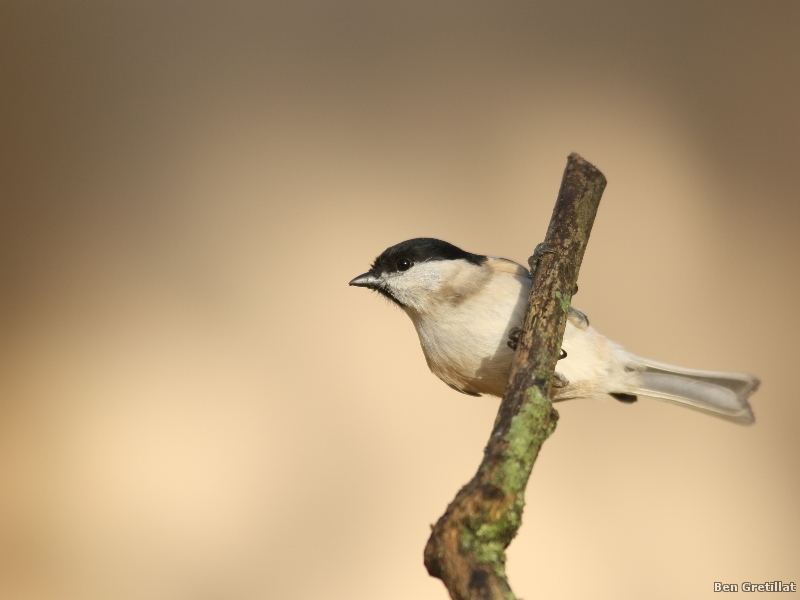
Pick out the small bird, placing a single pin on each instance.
(468, 308)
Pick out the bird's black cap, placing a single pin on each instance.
(420, 250)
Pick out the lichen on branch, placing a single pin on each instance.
(467, 546)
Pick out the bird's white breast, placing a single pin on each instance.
(464, 335)
(464, 338)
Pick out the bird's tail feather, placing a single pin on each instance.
(714, 392)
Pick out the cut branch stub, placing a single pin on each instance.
(467, 546)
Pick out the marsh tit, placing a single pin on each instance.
(467, 309)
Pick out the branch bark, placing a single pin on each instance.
(467, 546)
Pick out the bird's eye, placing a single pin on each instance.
(403, 264)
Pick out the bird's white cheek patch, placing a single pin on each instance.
(415, 286)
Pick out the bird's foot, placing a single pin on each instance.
(513, 337)
(538, 252)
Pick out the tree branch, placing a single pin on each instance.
(466, 549)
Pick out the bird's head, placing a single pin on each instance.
(422, 273)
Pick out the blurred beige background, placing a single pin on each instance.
(195, 406)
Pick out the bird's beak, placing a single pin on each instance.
(367, 280)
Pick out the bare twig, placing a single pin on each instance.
(466, 549)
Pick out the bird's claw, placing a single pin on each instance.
(538, 252)
(514, 335)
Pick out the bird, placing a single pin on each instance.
(468, 308)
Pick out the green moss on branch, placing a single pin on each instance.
(467, 546)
